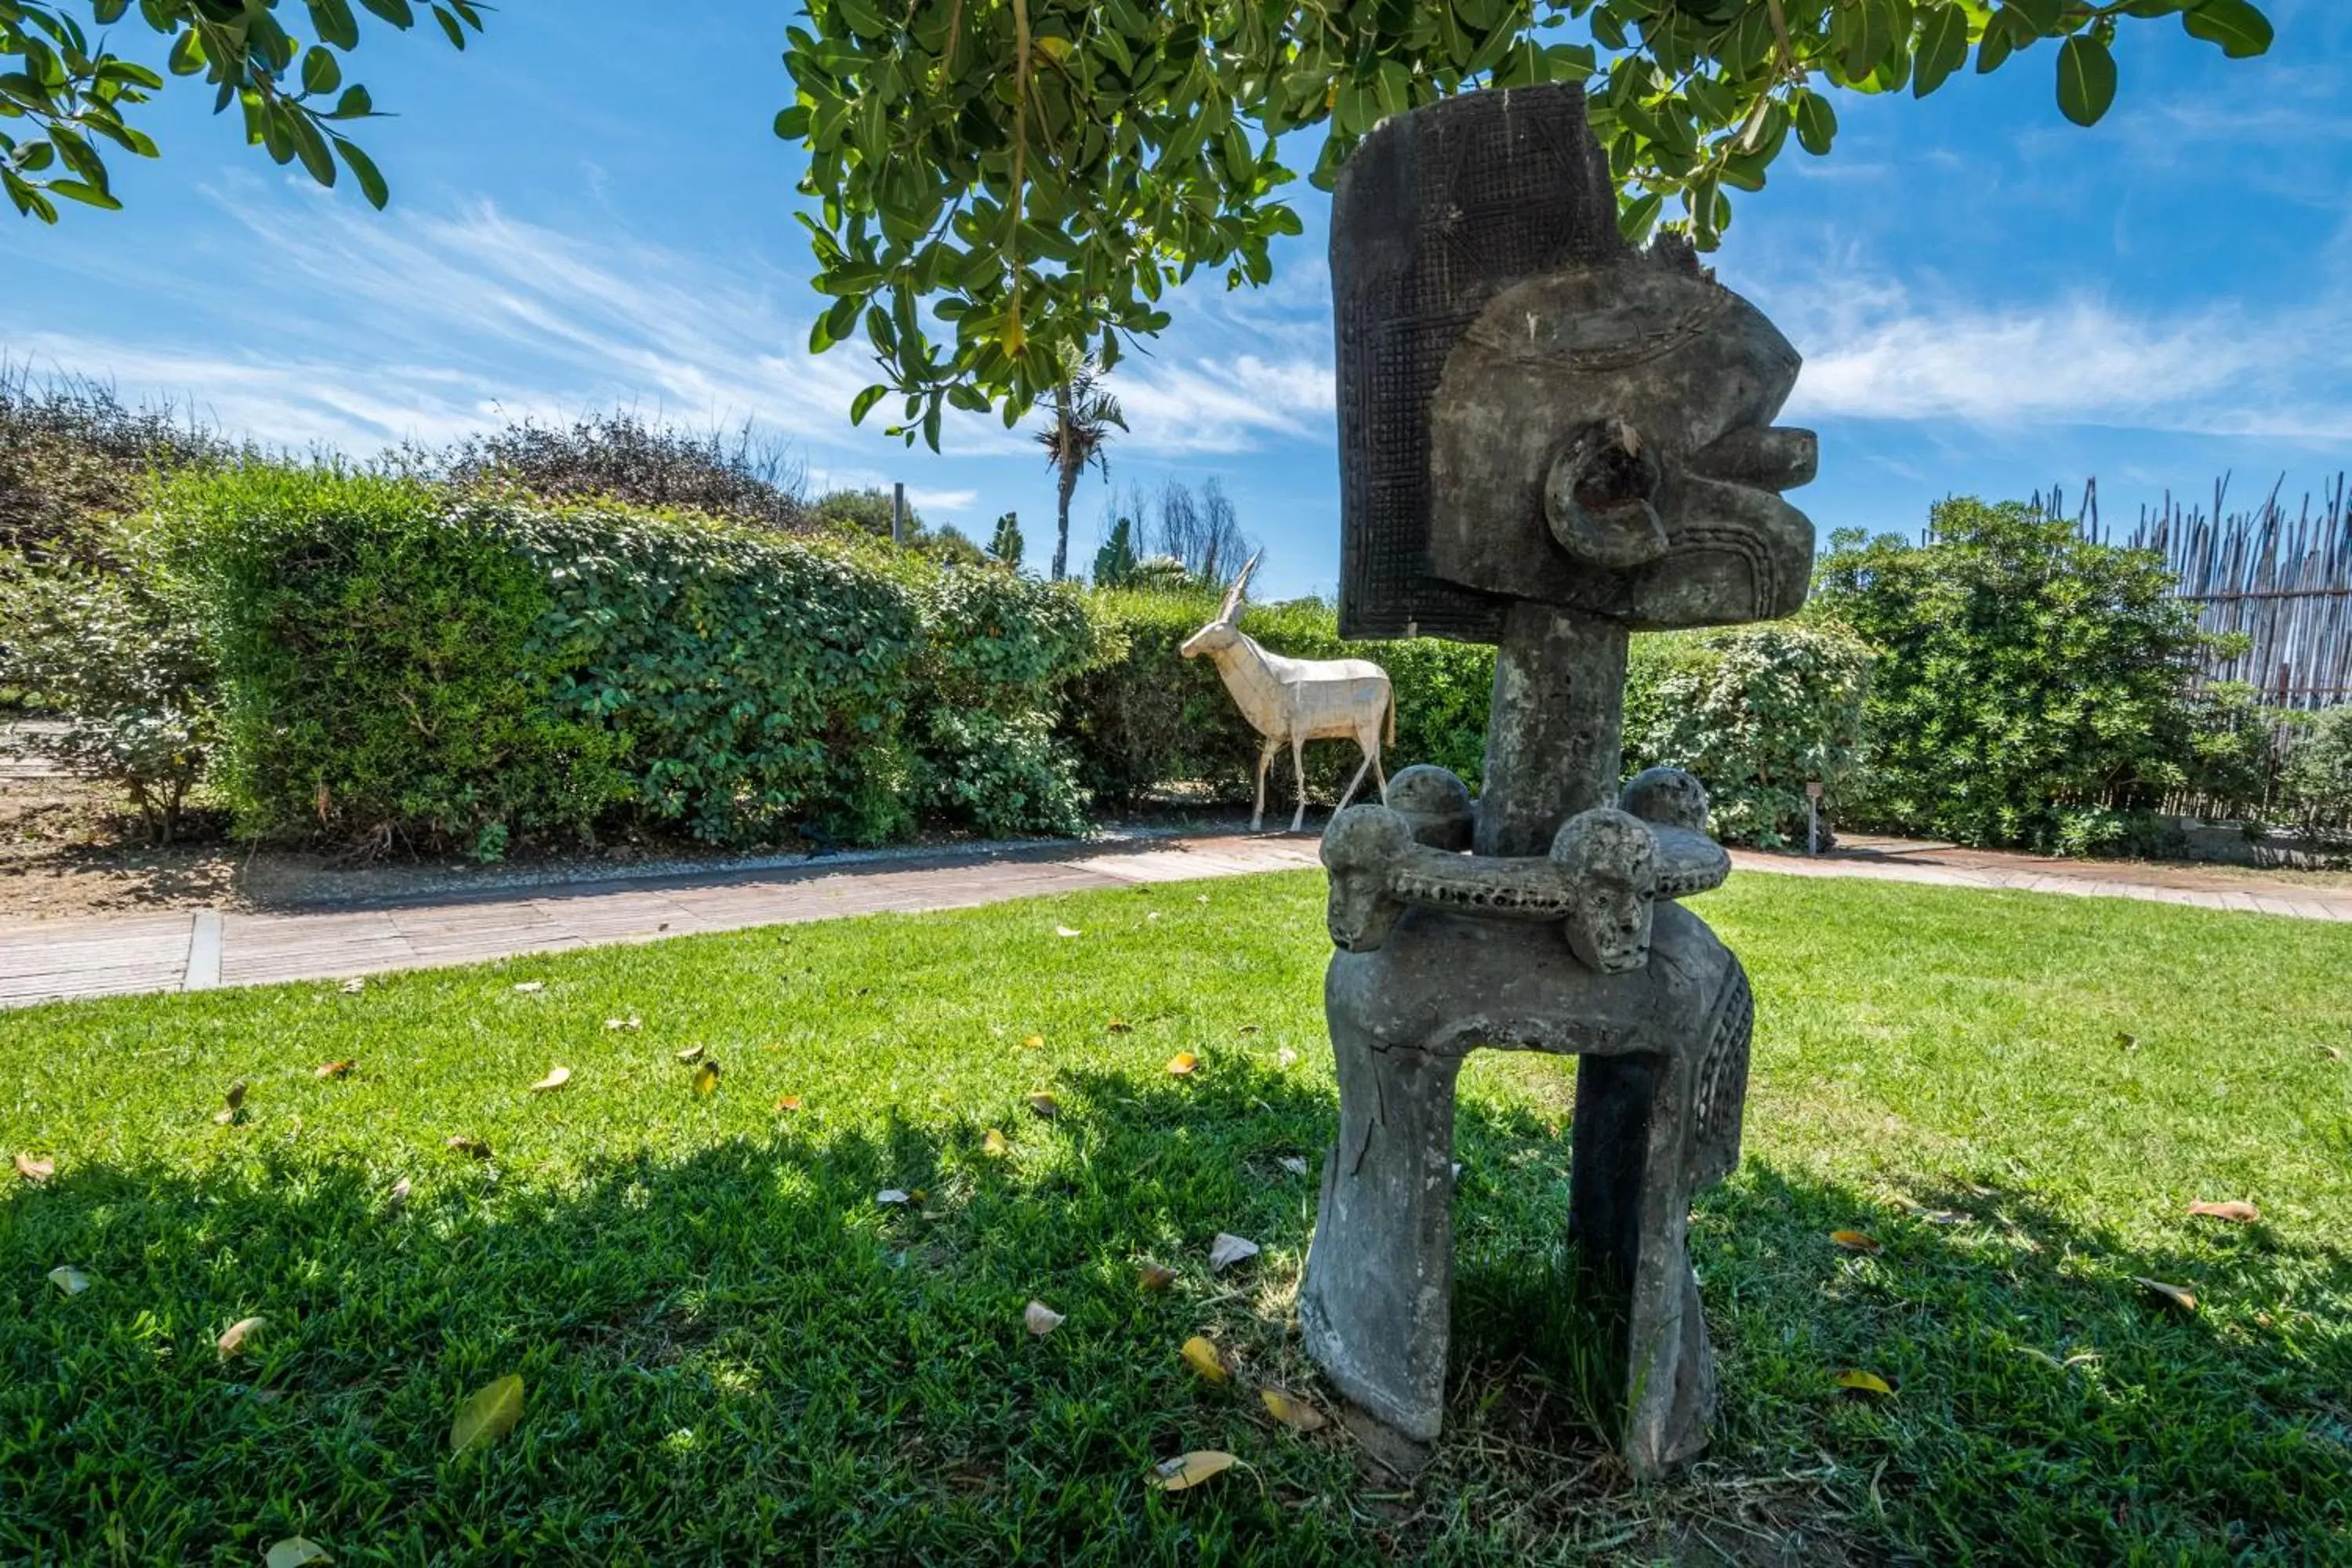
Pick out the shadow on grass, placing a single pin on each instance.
(740, 1353)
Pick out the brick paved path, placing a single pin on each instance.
(60, 959)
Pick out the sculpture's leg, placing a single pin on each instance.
(1379, 775)
(1298, 766)
(1264, 760)
(1629, 1215)
(1350, 794)
(1376, 1306)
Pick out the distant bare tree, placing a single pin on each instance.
(1199, 528)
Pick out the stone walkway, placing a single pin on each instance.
(208, 947)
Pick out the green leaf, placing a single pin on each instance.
(365, 171)
(2046, 16)
(355, 104)
(396, 12)
(333, 22)
(1943, 47)
(1816, 122)
(488, 1414)
(451, 26)
(2241, 29)
(864, 401)
(793, 124)
(1635, 220)
(86, 193)
(2086, 79)
(320, 72)
(311, 147)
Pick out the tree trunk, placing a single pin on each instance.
(1067, 480)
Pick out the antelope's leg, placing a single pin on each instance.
(1264, 760)
(1298, 766)
(1629, 1215)
(1380, 774)
(1376, 1306)
(1361, 769)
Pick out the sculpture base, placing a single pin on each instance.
(1376, 1304)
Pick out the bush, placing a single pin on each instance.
(2032, 688)
(619, 458)
(1756, 712)
(117, 653)
(72, 458)
(2316, 782)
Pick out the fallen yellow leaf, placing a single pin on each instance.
(1292, 1411)
(294, 1551)
(1041, 1319)
(1182, 1062)
(36, 1171)
(233, 1338)
(1864, 1382)
(994, 1146)
(333, 1070)
(1033, 1042)
(2236, 1209)
(1207, 1359)
(1853, 1241)
(1191, 1470)
(556, 1079)
(706, 1079)
(1044, 1105)
(2179, 1296)
(488, 1414)
(788, 1102)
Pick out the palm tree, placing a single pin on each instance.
(1083, 415)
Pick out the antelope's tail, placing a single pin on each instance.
(1391, 715)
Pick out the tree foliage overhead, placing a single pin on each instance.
(64, 94)
(1039, 172)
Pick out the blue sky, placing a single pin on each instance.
(590, 210)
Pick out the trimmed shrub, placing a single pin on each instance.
(2316, 782)
(1756, 712)
(2033, 689)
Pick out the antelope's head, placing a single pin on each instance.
(1226, 630)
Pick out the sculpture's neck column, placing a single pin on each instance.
(1554, 735)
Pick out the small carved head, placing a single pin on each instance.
(1667, 796)
(1435, 805)
(1360, 847)
(1609, 862)
(1226, 630)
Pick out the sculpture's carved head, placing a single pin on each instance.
(1360, 847)
(1603, 438)
(1435, 804)
(1226, 629)
(1667, 796)
(1609, 860)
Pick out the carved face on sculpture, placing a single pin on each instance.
(1602, 439)
(1358, 847)
(1610, 860)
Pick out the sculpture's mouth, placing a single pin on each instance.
(1614, 502)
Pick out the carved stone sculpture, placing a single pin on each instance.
(1290, 701)
(1548, 441)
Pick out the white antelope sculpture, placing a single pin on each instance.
(1297, 700)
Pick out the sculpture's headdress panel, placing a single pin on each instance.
(1531, 409)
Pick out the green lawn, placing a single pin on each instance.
(731, 1351)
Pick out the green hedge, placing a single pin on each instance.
(398, 663)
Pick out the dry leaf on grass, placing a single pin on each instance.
(1292, 1411)
(1853, 1241)
(474, 1146)
(294, 1551)
(398, 1195)
(2126, 1041)
(72, 1281)
(1286, 1058)
(1065, 931)
(788, 1102)
(1864, 1384)
(706, 1079)
(353, 986)
(1045, 1105)
(1294, 1163)
(36, 1171)
(488, 1414)
(1191, 1470)
(333, 1070)
(1119, 1026)
(556, 1079)
(233, 1338)
(692, 1054)
(1228, 1250)
(2179, 1296)
(893, 1197)
(231, 1103)
(630, 1022)
(528, 986)
(1041, 1319)
(1153, 1277)
(2236, 1209)
(1207, 1359)
(1182, 1062)
(1034, 1042)
(1250, 1029)
(1939, 1216)
(993, 1145)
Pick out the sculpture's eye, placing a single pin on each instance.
(1600, 496)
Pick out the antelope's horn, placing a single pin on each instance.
(1240, 588)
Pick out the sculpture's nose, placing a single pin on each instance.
(1770, 458)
